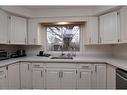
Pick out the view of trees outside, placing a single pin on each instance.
(64, 38)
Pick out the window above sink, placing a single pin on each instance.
(63, 37)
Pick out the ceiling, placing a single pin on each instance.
(56, 11)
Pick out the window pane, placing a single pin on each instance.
(63, 37)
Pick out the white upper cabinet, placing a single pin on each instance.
(18, 30)
(109, 28)
(34, 32)
(92, 31)
(3, 27)
(123, 25)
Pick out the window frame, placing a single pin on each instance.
(57, 52)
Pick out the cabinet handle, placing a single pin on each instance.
(118, 40)
(34, 40)
(9, 41)
(95, 68)
(9, 17)
(28, 67)
(90, 40)
(100, 39)
(59, 74)
(25, 40)
(6, 67)
(41, 74)
(80, 75)
(76, 71)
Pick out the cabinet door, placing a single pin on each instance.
(111, 77)
(92, 30)
(13, 76)
(52, 79)
(32, 30)
(18, 30)
(108, 28)
(25, 69)
(36, 35)
(3, 28)
(84, 79)
(68, 79)
(37, 78)
(3, 78)
(123, 24)
(99, 76)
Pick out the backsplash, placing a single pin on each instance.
(92, 50)
(120, 50)
(98, 50)
(9, 48)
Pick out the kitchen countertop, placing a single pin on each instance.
(118, 62)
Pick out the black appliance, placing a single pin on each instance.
(21, 52)
(3, 55)
(41, 53)
(18, 53)
(121, 79)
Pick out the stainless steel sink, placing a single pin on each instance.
(62, 57)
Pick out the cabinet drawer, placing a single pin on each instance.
(37, 65)
(60, 65)
(84, 66)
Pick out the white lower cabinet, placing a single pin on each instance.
(84, 76)
(3, 78)
(25, 70)
(52, 79)
(111, 77)
(60, 79)
(13, 76)
(57, 76)
(99, 76)
(68, 79)
(61, 76)
(37, 76)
